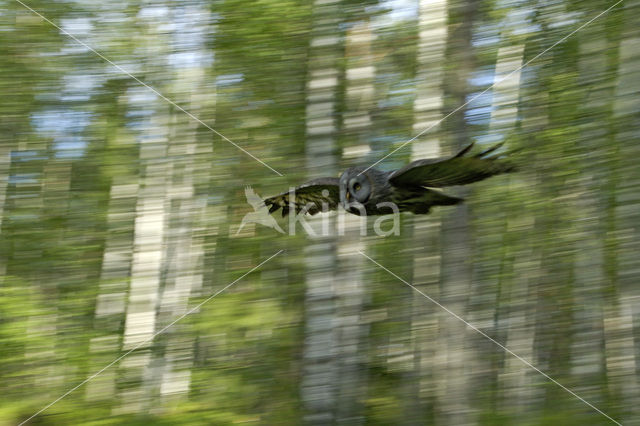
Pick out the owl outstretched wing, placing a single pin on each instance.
(314, 196)
(457, 170)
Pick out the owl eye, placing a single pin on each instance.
(357, 186)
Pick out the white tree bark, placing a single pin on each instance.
(350, 288)
(513, 378)
(320, 347)
(427, 358)
(5, 166)
(622, 317)
(114, 282)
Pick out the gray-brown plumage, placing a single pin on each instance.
(411, 188)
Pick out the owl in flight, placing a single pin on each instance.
(412, 188)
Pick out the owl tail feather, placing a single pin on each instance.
(433, 198)
(438, 198)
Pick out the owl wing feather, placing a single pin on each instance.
(456, 170)
(314, 196)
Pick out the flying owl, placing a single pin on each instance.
(412, 188)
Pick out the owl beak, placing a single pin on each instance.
(348, 195)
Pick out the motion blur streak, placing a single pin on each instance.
(148, 340)
(524, 361)
(119, 68)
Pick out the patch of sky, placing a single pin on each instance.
(57, 122)
(79, 87)
(69, 147)
(24, 178)
(399, 10)
(478, 110)
(479, 106)
(63, 126)
(27, 155)
(486, 35)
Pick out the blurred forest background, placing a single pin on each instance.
(119, 212)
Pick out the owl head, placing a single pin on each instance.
(356, 187)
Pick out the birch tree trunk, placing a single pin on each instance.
(497, 314)
(456, 251)
(596, 70)
(183, 269)
(114, 282)
(622, 316)
(350, 288)
(141, 370)
(5, 166)
(146, 269)
(427, 109)
(320, 347)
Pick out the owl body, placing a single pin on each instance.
(414, 188)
